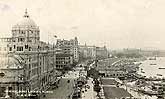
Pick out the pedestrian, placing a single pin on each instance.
(68, 96)
(68, 81)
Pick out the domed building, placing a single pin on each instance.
(27, 64)
(25, 34)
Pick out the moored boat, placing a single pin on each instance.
(142, 72)
(152, 58)
(152, 64)
(161, 68)
(159, 74)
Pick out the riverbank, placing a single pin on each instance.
(127, 70)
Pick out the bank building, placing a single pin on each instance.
(27, 65)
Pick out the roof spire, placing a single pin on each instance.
(26, 13)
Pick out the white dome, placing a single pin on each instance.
(26, 22)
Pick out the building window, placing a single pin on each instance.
(19, 48)
(10, 48)
(13, 40)
(14, 46)
(26, 46)
(23, 32)
(21, 39)
(29, 66)
(29, 48)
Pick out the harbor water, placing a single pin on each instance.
(151, 68)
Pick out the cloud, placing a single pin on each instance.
(4, 7)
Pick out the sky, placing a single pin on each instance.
(114, 23)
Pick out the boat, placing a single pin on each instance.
(159, 74)
(152, 58)
(161, 68)
(142, 71)
(152, 64)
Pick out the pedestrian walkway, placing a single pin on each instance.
(102, 93)
(89, 94)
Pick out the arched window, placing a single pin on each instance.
(26, 46)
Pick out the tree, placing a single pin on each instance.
(93, 73)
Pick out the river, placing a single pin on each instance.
(149, 70)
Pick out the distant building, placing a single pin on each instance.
(27, 64)
(115, 74)
(63, 61)
(87, 51)
(101, 52)
(69, 47)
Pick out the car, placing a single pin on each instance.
(68, 81)
(87, 86)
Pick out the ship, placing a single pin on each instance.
(152, 58)
(152, 64)
(161, 68)
(159, 74)
(142, 72)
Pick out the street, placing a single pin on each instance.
(65, 88)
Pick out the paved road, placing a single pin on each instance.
(64, 89)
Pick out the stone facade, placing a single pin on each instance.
(63, 61)
(101, 52)
(88, 51)
(69, 47)
(28, 64)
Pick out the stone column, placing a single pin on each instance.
(7, 91)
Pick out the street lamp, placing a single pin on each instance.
(54, 56)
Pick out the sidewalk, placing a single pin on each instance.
(135, 94)
(89, 94)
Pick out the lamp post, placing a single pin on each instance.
(54, 56)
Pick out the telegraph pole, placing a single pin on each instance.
(38, 61)
(54, 57)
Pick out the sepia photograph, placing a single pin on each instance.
(82, 49)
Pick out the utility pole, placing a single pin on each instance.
(53, 62)
(54, 55)
(38, 67)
